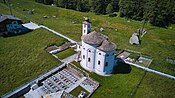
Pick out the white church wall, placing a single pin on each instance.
(110, 59)
(99, 63)
(106, 60)
(88, 56)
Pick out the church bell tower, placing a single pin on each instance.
(86, 26)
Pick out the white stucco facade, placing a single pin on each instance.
(88, 56)
(104, 62)
(97, 53)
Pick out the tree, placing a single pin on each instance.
(97, 6)
(109, 9)
(82, 5)
(4, 1)
(115, 4)
(157, 13)
(47, 2)
(60, 3)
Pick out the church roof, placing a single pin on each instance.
(107, 46)
(94, 38)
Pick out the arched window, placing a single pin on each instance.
(89, 50)
(106, 64)
(99, 53)
(83, 56)
(107, 55)
(98, 62)
(89, 59)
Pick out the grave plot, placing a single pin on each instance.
(135, 58)
(68, 80)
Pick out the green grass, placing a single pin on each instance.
(156, 87)
(66, 53)
(23, 57)
(78, 90)
(121, 85)
(116, 85)
(159, 43)
(134, 56)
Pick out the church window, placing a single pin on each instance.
(84, 31)
(83, 56)
(89, 59)
(98, 62)
(99, 53)
(89, 50)
(106, 64)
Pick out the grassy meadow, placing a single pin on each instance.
(66, 53)
(22, 57)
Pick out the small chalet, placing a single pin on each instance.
(8, 22)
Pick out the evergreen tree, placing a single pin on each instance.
(98, 6)
(115, 5)
(82, 5)
(109, 9)
(48, 2)
(125, 6)
(60, 3)
(157, 12)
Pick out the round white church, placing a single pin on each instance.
(97, 53)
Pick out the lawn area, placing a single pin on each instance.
(116, 85)
(121, 85)
(22, 52)
(78, 90)
(158, 42)
(156, 86)
(65, 53)
(23, 57)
